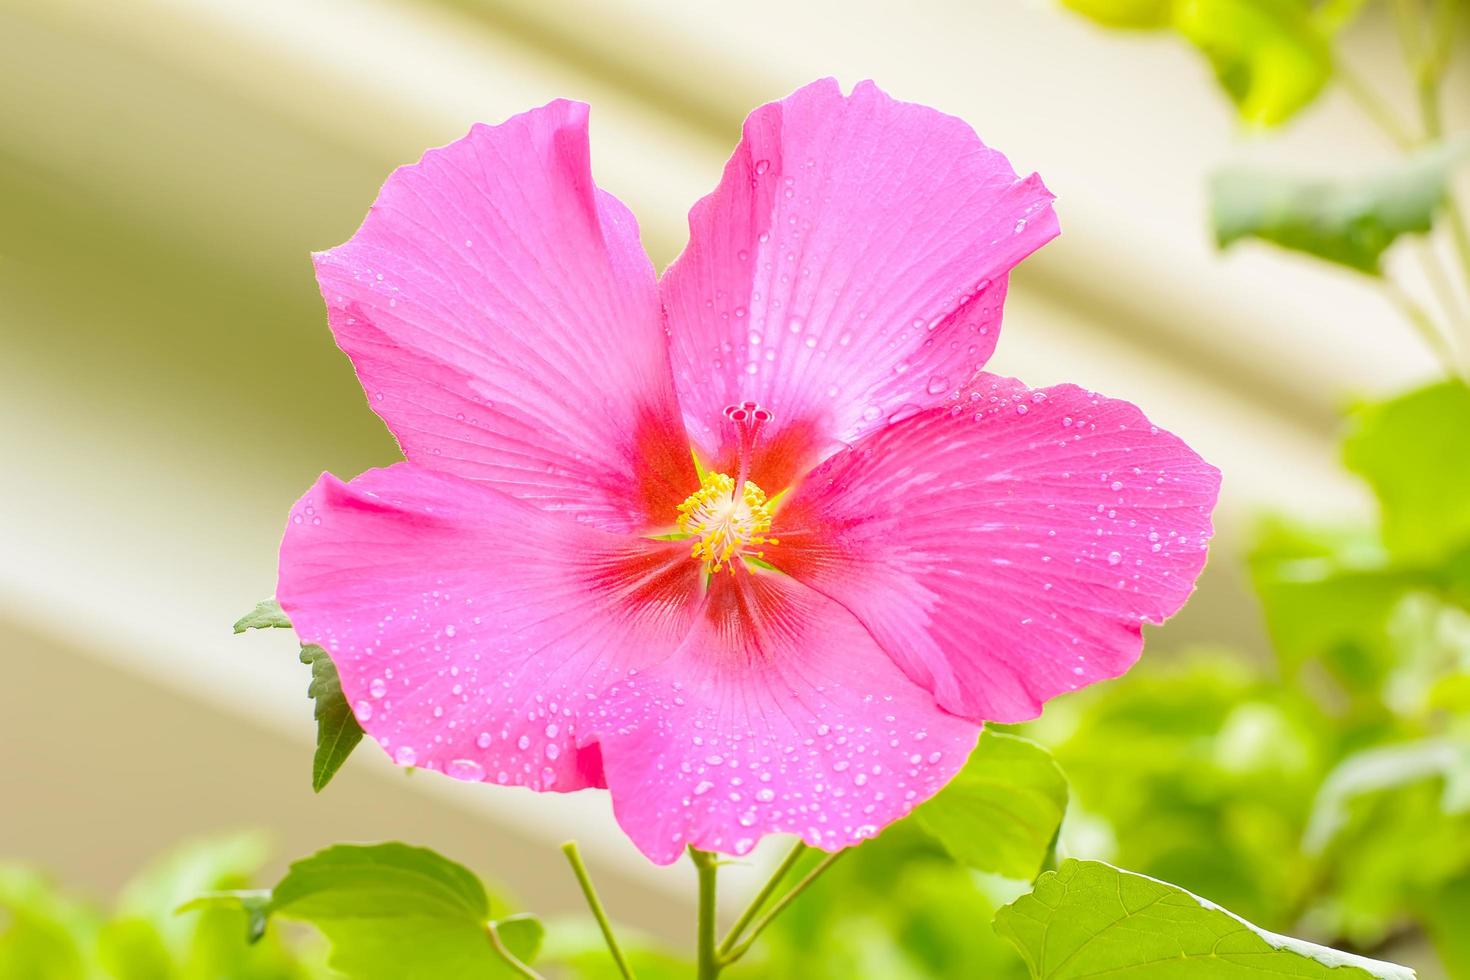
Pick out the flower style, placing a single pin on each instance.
(756, 546)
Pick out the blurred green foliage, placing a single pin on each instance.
(1326, 793)
(1350, 222)
(46, 934)
(1271, 57)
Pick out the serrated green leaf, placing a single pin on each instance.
(1089, 919)
(397, 912)
(1350, 222)
(266, 615)
(1001, 812)
(337, 728)
(1415, 453)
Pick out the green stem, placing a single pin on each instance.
(1458, 233)
(763, 896)
(1424, 324)
(594, 903)
(1429, 69)
(1439, 282)
(760, 924)
(510, 958)
(1374, 107)
(708, 867)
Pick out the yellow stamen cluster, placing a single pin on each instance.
(725, 525)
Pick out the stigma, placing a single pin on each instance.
(725, 521)
(728, 517)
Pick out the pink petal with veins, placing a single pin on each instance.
(503, 319)
(1006, 547)
(850, 265)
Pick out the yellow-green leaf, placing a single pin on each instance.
(1089, 919)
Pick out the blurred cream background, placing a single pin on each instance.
(168, 385)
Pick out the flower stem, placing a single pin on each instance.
(510, 958)
(708, 866)
(763, 896)
(594, 903)
(744, 945)
(1374, 107)
(1424, 324)
(1427, 69)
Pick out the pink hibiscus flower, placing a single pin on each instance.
(755, 545)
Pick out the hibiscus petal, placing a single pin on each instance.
(502, 317)
(851, 264)
(1007, 547)
(779, 714)
(469, 628)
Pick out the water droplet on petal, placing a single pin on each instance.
(466, 769)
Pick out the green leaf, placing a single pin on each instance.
(45, 936)
(575, 947)
(1415, 453)
(266, 615)
(1125, 13)
(131, 949)
(1388, 767)
(1350, 222)
(254, 902)
(1272, 57)
(201, 865)
(146, 930)
(1269, 55)
(1329, 596)
(1001, 812)
(522, 934)
(1446, 914)
(1089, 919)
(393, 911)
(337, 729)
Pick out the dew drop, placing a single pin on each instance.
(466, 769)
